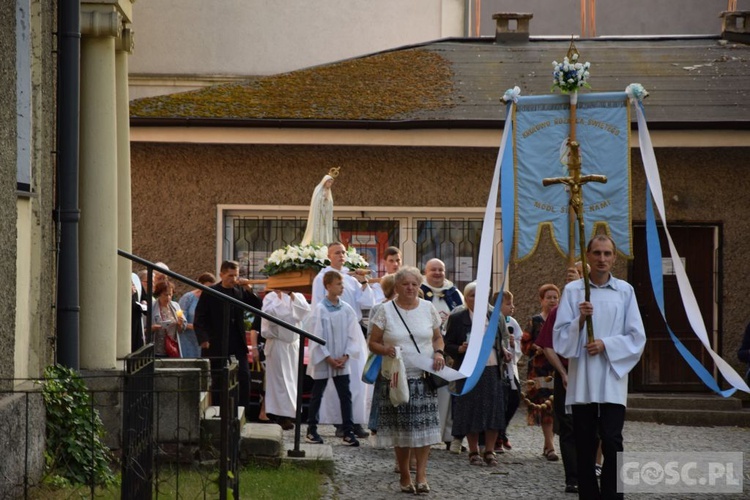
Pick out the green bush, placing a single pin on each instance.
(76, 452)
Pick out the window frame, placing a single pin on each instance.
(406, 217)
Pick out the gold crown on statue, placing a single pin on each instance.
(334, 172)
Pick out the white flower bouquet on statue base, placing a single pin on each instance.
(303, 257)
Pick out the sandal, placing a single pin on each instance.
(551, 455)
(423, 488)
(474, 458)
(409, 488)
(490, 458)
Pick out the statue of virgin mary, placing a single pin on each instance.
(319, 230)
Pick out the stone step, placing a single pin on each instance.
(265, 443)
(671, 401)
(692, 417)
(261, 441)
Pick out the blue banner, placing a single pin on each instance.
(541, 127)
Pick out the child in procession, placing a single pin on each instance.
(335, 322)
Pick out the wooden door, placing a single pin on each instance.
(662, 368)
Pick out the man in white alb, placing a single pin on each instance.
(598, 371)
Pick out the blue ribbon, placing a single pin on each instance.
(507, 193)
(488, 342)
(654, 266)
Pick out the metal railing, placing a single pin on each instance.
(226, 411)
(138, 424)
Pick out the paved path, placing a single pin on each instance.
(367, 473)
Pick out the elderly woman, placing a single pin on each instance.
(413, 325)
(540, 373)
(481, 409)
(188, 303)
(166, 317)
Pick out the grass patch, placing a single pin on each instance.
(256, 481)
(282, 483)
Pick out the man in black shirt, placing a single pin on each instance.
(209, 328)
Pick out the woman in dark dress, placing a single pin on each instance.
(481, 409)
(539, 385)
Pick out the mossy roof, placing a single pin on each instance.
(693, 83)
(380, 87)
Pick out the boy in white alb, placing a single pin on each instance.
(335, 322)
(357, 294)
(512, 394)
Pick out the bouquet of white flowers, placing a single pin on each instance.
(302, 257)
(570, 75)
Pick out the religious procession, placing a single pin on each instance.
(440, 249)
(410, 368)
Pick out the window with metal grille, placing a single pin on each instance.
(251, 234)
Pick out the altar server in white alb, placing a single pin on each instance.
(334, 321)
(282, 353)
(598, 371)
(358, 294)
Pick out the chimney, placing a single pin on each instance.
(736, 26)
(512, 27)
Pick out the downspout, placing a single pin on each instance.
(68, 212)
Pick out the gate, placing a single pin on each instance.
(230, 424)
(138, 424)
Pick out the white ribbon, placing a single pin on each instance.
(484, 263)
(695, 318)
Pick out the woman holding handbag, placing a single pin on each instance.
(413, 325)
(167, 320)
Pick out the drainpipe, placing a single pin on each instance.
(68, 212)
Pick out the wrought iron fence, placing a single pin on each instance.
(164, 453)
(137, 424)
(226, 380)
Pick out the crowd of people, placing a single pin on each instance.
(574, 386)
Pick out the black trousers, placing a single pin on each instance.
(564, 429)
(609, 420)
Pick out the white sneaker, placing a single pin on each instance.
(456, 446)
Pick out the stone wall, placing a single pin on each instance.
(22, 439)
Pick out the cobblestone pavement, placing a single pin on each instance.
(523, 472)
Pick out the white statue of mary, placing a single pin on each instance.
(319, 230)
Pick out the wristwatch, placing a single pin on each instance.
(440, 351)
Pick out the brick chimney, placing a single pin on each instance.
(512, 27)
(736, 25)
